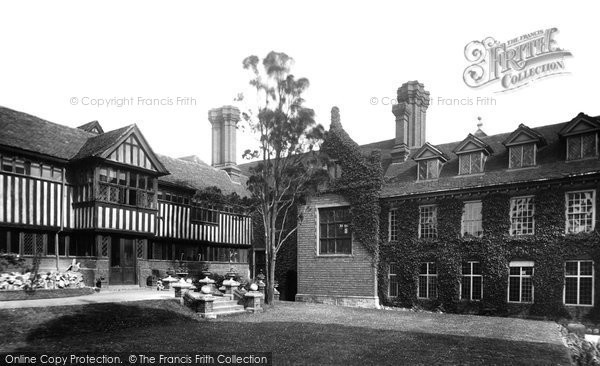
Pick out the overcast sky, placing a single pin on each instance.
(53, 52)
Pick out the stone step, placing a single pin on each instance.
(227, 305)
(223, 298)
(222, 312)
(114, 288)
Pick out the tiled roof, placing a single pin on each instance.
(551, 164)
(23, 131)
(199, 175)
(99, 143)
(245, 168)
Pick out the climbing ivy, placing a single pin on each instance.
(549, 248)
(360, 182)
(214, 195)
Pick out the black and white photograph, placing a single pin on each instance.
(299, 183)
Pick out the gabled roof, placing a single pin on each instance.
(472, 143)
(199, 175)
(98, 144)
(429, 151)
(524, 134)
(582, 123)
(101, 146)
(93, 127)
(35, 135)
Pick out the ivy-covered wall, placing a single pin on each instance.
(359, 183)
(548, 249)
(342, 278)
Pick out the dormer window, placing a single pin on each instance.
(430, 161)
(523, 144)
(93, 127)
(471, 163)
(522, 156)
(429, 169)
(582, 146)
(581, 134)
(472, 154)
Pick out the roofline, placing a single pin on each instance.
(175, 185)
(457, 142)
(447, 191)
(117, 163)
(33, 154)
(440, 154)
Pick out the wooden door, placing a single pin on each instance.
(122, 262)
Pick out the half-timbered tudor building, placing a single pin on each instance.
(107, 200)
(506, 220)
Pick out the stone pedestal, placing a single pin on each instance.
(254, 300)
(207, 282)
(167, 281)
(230, 286)
(180, 286)
(201, 303)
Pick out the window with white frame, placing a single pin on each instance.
(393, 280)
(520, 282)
(521, 156)
(471, 219)
(393, 230)
(522, 221)
(471, 285)
(579, 282)
(580, 211)
(427, 281)
(582, 146)
(429, 169)
(471, 163)
(428, 222)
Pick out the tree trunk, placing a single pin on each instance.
(271, 280)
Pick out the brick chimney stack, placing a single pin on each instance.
(224, 121)
(410, 112)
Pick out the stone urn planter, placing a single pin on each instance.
(179, 286)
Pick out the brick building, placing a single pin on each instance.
(507, 220)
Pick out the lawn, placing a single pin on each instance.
(296, 333)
